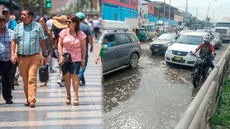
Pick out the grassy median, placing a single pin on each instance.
(221, 117)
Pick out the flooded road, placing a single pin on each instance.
(153, 96)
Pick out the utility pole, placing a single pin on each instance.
(164, 8)
(164, 18)
(10, 5)
(197, 12)
(169, 9)
(186, 9)
(41, 7)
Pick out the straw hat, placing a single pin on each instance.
(60, 22)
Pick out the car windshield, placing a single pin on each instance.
(222, 24)
(190, 39)
(167, 37)
(141, 30)
(150, 28)
(216, 35)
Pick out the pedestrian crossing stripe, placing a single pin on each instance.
(51, 122)
(74, 114)
(52, 108)
(62, 99)
(57, 89)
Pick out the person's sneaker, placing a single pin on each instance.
(26, 103)
(9, 102)
(60, 82)
(15, 82)
(52, 70)
(82, 83)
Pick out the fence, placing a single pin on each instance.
(201, 108)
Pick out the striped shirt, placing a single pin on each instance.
(28, 38)
(5, 44)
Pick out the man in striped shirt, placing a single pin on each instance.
(29, 38)
(6, 36)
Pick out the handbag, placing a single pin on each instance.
(67, 58)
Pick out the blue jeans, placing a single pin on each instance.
(82, 71)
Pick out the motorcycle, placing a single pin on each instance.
(201, 69)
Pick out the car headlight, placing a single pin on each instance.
(169, 51)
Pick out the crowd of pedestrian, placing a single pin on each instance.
(31, 45)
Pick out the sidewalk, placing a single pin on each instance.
(51, 112)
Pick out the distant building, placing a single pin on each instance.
(119, 9)
(88, 6)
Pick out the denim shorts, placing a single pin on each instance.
(72, 68)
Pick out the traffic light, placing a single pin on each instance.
(48, 3)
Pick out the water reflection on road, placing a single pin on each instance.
(153, 96)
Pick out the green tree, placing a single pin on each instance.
(34, 5)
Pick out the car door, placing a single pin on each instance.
(123, 48)
(109, 59)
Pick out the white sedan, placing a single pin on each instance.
(179, 52)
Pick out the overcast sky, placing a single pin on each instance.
(218, 8)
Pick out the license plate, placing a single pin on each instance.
(178, 58)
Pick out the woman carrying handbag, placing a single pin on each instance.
(72, 50)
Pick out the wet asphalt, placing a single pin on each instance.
(153, 96)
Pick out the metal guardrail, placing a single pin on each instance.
(201, 108)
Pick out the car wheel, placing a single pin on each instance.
(133, 62)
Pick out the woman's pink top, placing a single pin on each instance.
(71, 44)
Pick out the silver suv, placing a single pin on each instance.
(121, 49)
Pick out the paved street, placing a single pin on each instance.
(51, 112)
(153, 96)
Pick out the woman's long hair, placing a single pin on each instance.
(75, 19)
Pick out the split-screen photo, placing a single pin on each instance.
(114, 64)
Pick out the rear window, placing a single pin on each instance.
(122, 38)
(133, 38)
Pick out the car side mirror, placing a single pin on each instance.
(104, 46)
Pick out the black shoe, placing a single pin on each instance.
(9, 102)
(82, 83)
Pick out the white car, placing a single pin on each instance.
(179, 52)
